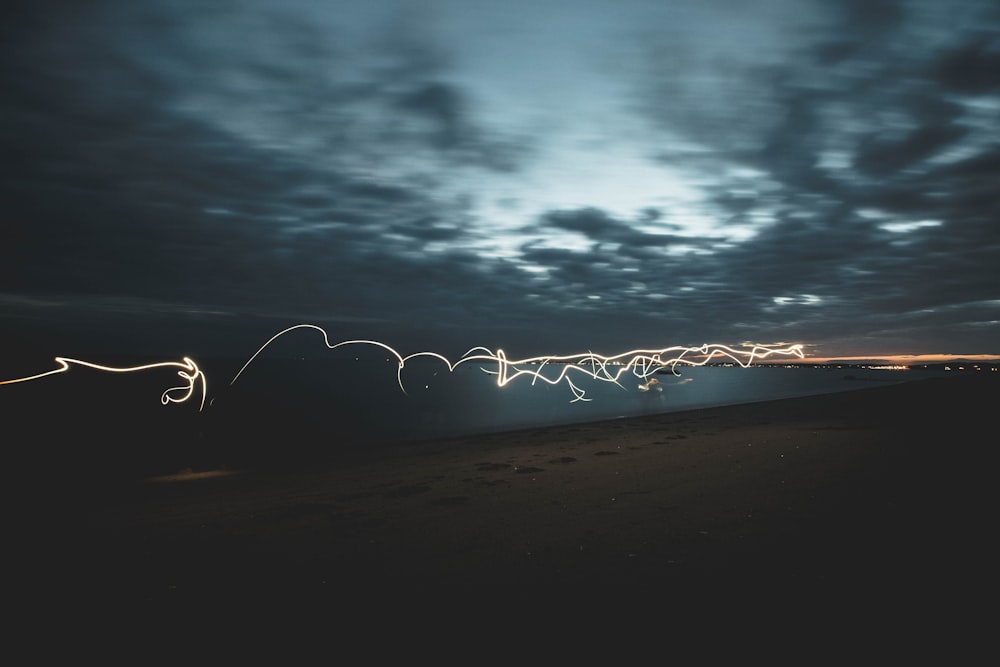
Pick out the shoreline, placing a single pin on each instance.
(866, 491)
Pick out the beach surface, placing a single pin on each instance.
(878, 492)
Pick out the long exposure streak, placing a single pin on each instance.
(188, 371)
(641, 363)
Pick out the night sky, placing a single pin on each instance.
(548, 176)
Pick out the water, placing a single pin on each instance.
(292, 410)
(360, 400)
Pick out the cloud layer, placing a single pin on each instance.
(558, 176)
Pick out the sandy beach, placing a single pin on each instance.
(874, 492)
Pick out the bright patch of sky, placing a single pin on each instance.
(903, 227)
(591, 149)
(546, 76)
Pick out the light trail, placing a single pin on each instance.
(188, 371)
(641, 363)
(645, 386)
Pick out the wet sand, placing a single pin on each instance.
(877, 494)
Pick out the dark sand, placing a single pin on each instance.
(873, 498)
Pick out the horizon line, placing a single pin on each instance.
(927, 358)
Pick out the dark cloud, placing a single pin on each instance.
(442, 105)
(450, 129)
(174, 158)
(600, 227)
(870, 19)
(136, 173)
(972, 66)
(884, 158)
(865, 116)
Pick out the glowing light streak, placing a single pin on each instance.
(188, 371)
(641, 363)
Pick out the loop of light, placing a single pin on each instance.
(188, 371)
(642, 363)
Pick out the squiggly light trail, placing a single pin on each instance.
(642, 363)
(189, 372)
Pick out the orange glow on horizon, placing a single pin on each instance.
(905, 359)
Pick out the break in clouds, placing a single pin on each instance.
(552, 173)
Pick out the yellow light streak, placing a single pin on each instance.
(193, 376)
(641, 363)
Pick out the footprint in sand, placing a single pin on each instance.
(492, 466)
(451, 501)
(406, 491)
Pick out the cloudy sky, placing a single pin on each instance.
(542, 175)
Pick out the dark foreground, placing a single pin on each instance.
(877, 500)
